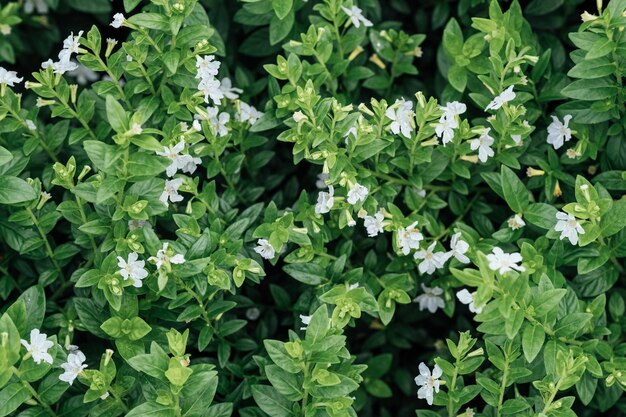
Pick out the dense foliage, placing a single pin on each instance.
(318, 208)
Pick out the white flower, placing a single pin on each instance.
(504, 262)
(9, 77)
(265, 249)
(248, 113)
(132, 269)
(483, 144)
(135, 224)
(197, 126)
(163, 258)
(207, 67)
(5, 29)
(218, 121)
(430, 260)
(517, 139)
(374, 224)
(171, 191)
(62, 66)
(467, 298)
(325, 200)
(84, 75)
(230, 92)
(38, 346)
(357, 193)
(356, 16)
(210, 87)
(445, 129)
(31, 125)
(409, 238)
(321, 180)
(31, 5)
(428, 382)
(118, 20)
(516, 222)
(305, 320)
(105, 396)
(72, 43)
(299, 116)
(558, 132)
(504, 97)
(73, 367)
(351, 132)
(135, 129)
(430, 300)
(173, 154)
(569, 227)
(401, 117)
(458, 248)
(452, 109)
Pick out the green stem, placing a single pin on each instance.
(452, 387)
(49, 250)
(503, 386)
(83, 217)
(32, 392)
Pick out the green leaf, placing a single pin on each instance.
(280, 28)
(453, 39)
(457, 76)
(198, 392)
(615, 220)
(151, 364)
(514, 406)
(150, 409)
(287, 384)
(541, 214)
(318, 326)
(269, 400)
(309, 273)
(10, 353)
(594, 68)
(600, 48)
(545, 301)
(590, 90)
(572, 324)
(5, 156)
(15, 190)
(154, 21)
(11, 397)
(378, 388)
(532, 341)
(515, 193)
(277, 352)
(586, 388)
(282, 7)
(118, 119)
(129, 5)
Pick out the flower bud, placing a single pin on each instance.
(376, 61)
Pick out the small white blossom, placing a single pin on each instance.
(356, 16)
(467, 298)
(483, 144)
(299, 116)
(9, 77)
(73, 367)
(72, 43)
(265, 249)
(171, 191)
(31, 125)
(428, 383)
(105, 396)
(559, 133)
(357, 193)
(445, 129)
(196, 125)
(458, 248)
(218, 121)
(5, 29)
(118, 20)
(320, 183)
(40, 5)
(248, 113)
(452, 109)
(504, 97)
(60, 67)
(569, 227)
(207, 67)
(38, 346)
(163, 258)
(431, 299)
(374, 224)
(351, 132)
(305, 321)
(401, 116)
(135, 224)
(431, 261)
(173, 154)
(516, 222)
(504, 262)
(409, 238)
(230, 92)
(132, 269)
(210, 87)
(325, 200)
(84, 75)
(517, 139)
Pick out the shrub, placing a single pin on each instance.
(165, 255)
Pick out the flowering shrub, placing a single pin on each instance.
(216, 208)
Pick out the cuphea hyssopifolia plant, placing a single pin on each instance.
(387, 159)
(141, 232)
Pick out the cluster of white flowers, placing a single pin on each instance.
(163, 258)
(504, 262)
(185, 162)
(401, 115)
(449, 121)
(170, 192)
(210, 86)
(38, 348)
(326, 199)
(483, 143)
(71, 46)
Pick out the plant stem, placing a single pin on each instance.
(32, 392)
(49, 250)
